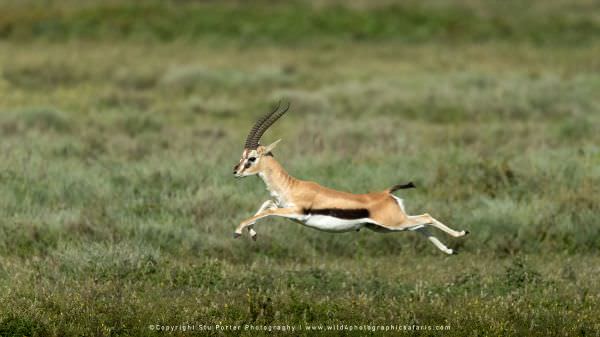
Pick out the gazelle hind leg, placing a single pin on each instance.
(413, 226)
(428, 219)
(435, 241)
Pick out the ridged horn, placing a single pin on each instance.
(251, 140)
(273, 117)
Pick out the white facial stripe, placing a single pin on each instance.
(246, 155)
(243, 165)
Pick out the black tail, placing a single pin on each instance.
(401, 186)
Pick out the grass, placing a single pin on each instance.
(118, 204)
(411, 21)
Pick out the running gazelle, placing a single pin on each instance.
(322, 208)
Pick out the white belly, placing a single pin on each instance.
(332, 224)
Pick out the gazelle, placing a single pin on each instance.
(322, 208)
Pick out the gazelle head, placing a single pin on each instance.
(250, 163)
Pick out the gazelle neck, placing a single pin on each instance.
(277, 180)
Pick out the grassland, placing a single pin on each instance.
(119, 126)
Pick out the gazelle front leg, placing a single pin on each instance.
(283, 212)
(269, 204)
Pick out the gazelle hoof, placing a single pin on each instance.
(467, 232)
(254, 237)
(236, 235)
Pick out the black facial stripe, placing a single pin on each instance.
(356, 213)
(248, 164)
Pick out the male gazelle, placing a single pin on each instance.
(322, 208)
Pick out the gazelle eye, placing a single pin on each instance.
(252, 159)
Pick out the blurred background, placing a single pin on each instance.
(120, 122)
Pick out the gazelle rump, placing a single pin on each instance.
(320, 207)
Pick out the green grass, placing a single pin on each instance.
(410, 21)
(117, 202)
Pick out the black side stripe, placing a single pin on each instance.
(357, 213)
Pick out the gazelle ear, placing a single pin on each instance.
(271, 146)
